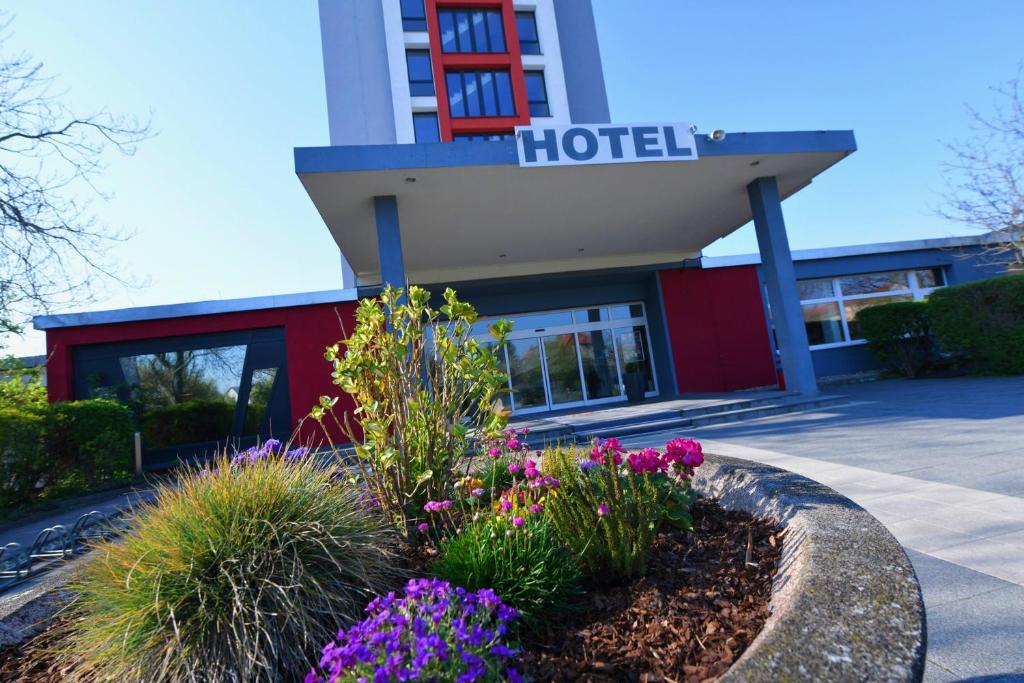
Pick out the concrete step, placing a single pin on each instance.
(676, 413)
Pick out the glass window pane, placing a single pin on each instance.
(563, 368)
(525, 371)
(479, 33)
(186, 396)
(446, 22)
(496, 31)
(421, 77)
(634, 352)
(414, 16)
(855, 306)
(870, 283)
(526, 26)
(822, 323)
(487, 89)
(425, 127)
(627, 311)
(462, 35)
(259, 400)
(506, 107)
(815, 289)
(472, 93)
(597, 352)
(929, 278)
(591, 315)
(456, 100)
(536, 93)
(541, 320)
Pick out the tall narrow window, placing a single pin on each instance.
(526, 26)
(421, 78)
(537, 93)
(469, 30)
(425, 127)
(479, 93)
(414, 15)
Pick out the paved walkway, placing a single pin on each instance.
(24, 533)
(941, 464)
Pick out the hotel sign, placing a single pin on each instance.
(604, 144)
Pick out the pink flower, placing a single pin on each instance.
(530, 464)
(513, 468)
(476, 493)
(518, 522)
(647, 461)
(423, 526)
(603, 510)
(513, 444)
(532, 473)
(535, 508)
(602, 449)
(494, 452)
(435, 506)
(505, 504)
(685, 451)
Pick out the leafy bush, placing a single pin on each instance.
(608, 513)
(984, 320)
(521, 558)
(424, 388)
(899, 334)
(432, 633)
(92, 438)
(23, 461)
(187, 422)
(238, 573)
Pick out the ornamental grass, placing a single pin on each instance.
(239, 573)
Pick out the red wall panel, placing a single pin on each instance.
(308, 331)
(717, 329)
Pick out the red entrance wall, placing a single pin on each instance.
(308, 331)
(717, 329)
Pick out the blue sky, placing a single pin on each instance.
(232, 87)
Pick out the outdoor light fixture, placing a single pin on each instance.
(693, 129)
(410, 179)
(717, 135)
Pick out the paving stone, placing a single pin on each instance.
(980, 635)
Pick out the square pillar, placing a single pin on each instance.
(389, 242)
(780, 278)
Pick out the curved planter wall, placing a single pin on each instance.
(846, 605)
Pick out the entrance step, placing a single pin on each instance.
(565, 431)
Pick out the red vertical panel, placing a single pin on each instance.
(717, 329)
(511, 60)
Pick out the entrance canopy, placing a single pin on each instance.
(468, 211)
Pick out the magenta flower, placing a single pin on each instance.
(437, 506)
(505, 504)
(518, 522)
(647, 461)
(476, 493)
(494, 452)
(513, 468)
(532, 473)
(535, 508)
(513, 444)
(423, 527)
(685, 451)
(603, 510)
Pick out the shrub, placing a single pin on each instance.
(520, 557)
(187, 422)
(899, 334)
(92, 439)
(424, 388)
(238, 573)
(608, 513)
(434, 633)
(23, 461)
(983, 320)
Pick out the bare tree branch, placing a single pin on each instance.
(52, 247)
(985, 181)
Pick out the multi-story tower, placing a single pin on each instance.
(405, 71)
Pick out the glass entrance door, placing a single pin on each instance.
(562, 359)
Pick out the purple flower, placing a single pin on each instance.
(587, 465)
(436, 506)
(513, 444)
(513, 468)
(423, 527)
(535, 508)
(518, 522)
(603, 510)
(476, 493)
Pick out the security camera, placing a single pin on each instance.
(717, 135)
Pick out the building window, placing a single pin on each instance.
(479, 93)
(537, 93)
(526, 26)
(425, 127)
(414, 15)
(421, 78)
(482, 137)
(471, 30)
(830, 305)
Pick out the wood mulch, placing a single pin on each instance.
(693, 614)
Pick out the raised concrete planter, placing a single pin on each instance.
(846, 605)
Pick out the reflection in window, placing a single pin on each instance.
(525, 371)
(597, 353)
(872, 283)
(479, 93)
(526, 27)
(259, 400)
(634, 352)
(185, 396)
(563, 368)
(852, 307)
(822, 323)
(466, 30)
(627, 312)
(815, 289)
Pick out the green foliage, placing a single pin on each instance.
(187, 422)
(983, 320)
(240, 573)
(20, 387)
(899, 333)
(92, 437)
(424, 388)
(23, 461)
(527, 566)
(606, 516)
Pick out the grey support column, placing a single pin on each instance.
(780, 277)
(389, 242)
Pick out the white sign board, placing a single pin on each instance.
(604, 144)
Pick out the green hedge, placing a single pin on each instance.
(900, 335)
(61, 449)
(187, 422)
(983, 321)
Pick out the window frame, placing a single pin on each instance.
(413, 23)
(531, 15)
(488, 15)
(544, 84)
(481, 101)
(420, 53)
(421, 115)
(914, 290)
